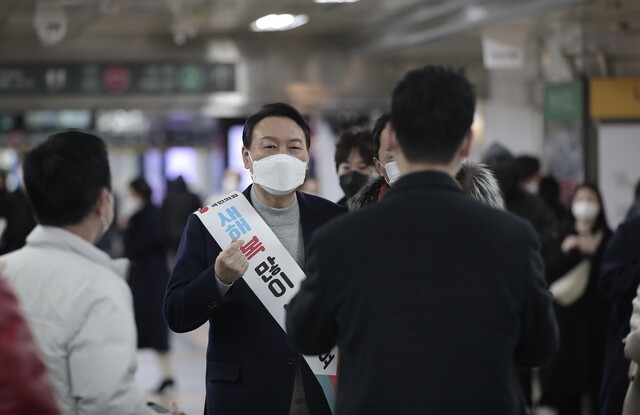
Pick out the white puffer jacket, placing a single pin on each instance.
(79, 308)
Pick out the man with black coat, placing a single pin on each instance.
(451, 297)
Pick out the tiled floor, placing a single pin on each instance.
(188, 356)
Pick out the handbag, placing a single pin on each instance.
(571, 286)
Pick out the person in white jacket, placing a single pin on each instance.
(75, 296)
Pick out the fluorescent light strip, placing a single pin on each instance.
(278, 22)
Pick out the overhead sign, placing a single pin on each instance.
(503, 47)
(564, 101)
(116, 78)
(615, 98)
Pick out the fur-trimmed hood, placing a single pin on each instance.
(366, 195)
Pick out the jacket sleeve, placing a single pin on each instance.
(102, 353)
(192, 295)
(539, 335)
(310, 318)
(24, 385)
(620, 272)
(632, 343)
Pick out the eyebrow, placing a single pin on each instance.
(268, 137)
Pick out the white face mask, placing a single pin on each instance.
(279, 174)
(531, 187)
(393, 171)
(585, 210)
(106, 223)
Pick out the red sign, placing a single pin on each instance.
(117, 78)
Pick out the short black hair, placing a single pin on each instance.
(527, 166)
(142, 188)
(432, 110)
(358, 138)
(378, 127)
(278, 109)
(64, 176)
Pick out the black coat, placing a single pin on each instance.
(577, 367)
(250, 363)
(145, 244)
(619, 281)
(433, 299)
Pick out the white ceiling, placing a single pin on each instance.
(370, 27)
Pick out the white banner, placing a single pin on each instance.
(273, 274)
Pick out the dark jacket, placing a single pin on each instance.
(368, 194)
(577, 367)
(24, 385)
(250, 363)
(145, 244)
(433, 300)
(619, 280)
(177, 205)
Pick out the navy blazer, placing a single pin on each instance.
(433, 300)
(250, 363)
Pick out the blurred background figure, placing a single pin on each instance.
(16, 218)
(634, 210)
(573, 271)
(549, 192)
(145, 244)
(619, 282)
(529, 176)
(518, 200)
(24, 385)
(354, 160)
(478, 181)
(231, 181)
(310, 185)
(383, 161)
(528, 206)
(178, 204)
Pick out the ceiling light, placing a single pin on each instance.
(335, 1)
(277, 22)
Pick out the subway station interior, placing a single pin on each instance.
(168, 84)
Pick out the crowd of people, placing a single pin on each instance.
(447, 286)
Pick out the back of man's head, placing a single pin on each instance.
(431, 112)
(64, 175)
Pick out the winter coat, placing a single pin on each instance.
(79, 308)
(145, 244)
(371, 193)
(24, 385)
(577, 367)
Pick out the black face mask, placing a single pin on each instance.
(352, 182)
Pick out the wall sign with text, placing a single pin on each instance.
(117, 78)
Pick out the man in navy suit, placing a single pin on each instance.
(251, 366)
(447, 295)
